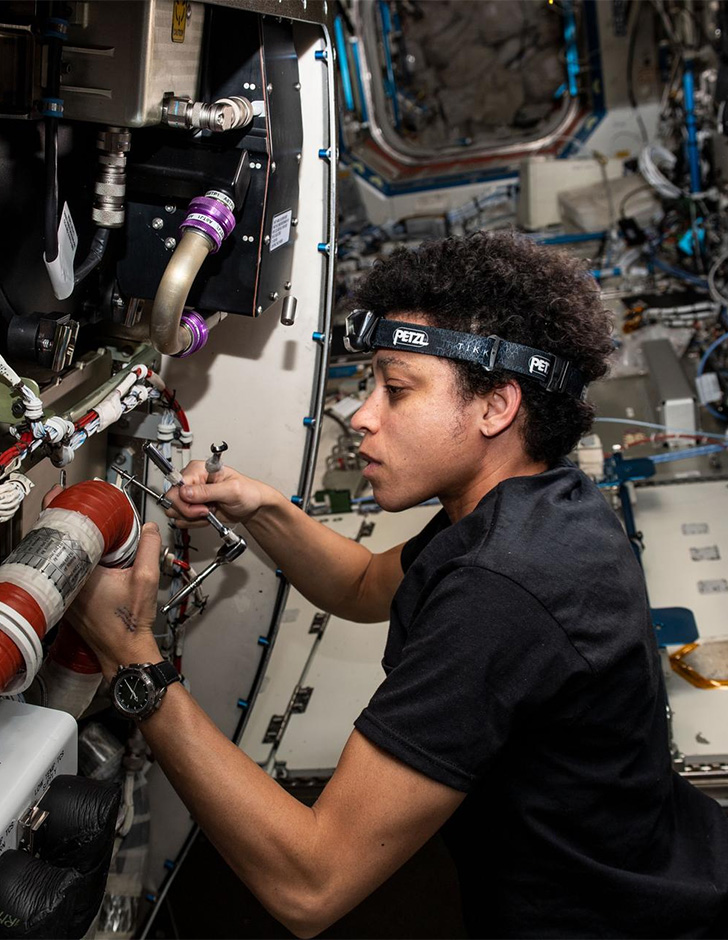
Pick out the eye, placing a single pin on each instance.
(393, 390)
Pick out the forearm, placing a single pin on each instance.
(329, 569)
(266, 836)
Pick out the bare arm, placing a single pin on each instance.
(307, 865)
(335, 573)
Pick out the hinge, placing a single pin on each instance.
(29, 824)
(366, 530)
(273, 729)
(301, 699)
(318, 624)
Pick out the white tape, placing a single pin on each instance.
(60, 271)
(15, 626)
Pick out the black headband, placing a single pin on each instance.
(366, 331)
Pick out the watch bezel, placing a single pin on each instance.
(155, 694)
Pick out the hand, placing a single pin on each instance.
(233, 497)
(115, 610)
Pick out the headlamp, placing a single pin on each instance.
(366, 331)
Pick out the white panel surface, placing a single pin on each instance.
(675, 520)
(251, 386)
(346, 668)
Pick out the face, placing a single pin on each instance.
(420, 439)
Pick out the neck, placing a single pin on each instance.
(497, 467)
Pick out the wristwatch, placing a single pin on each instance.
(137, 690)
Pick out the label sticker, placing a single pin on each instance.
(60, 271)
(694, 528)
(709, 553)
(179, 20)
(708, 388)
(719, 586)
(62, 560)
(280, 230)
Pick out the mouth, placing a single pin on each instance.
(372, 464)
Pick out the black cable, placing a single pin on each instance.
(334, 417)
(95, 254)
(630, 69)
(51, 189)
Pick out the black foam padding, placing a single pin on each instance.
(37, 900)
(79, 833)
(79, 830)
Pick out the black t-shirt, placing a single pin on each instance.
(522, 669)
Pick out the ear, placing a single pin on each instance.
(500, 408)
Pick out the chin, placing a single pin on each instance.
(392, 502)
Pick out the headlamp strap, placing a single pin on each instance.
(491, 352)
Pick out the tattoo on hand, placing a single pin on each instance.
(127, 618)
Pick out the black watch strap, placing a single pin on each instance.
(163, 674)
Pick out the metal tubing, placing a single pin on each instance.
(166, 333)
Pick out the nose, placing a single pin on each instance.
(366, 419)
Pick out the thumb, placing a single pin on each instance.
(146, 561)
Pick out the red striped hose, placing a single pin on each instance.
(87, 524)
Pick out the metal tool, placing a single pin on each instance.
(174, 477)
(213, 464)
(225, 555)
(159, 498)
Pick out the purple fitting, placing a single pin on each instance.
(198, 330)
(210, 216)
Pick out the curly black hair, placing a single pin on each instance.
(505, 284)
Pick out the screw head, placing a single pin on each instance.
(297, 86)
(170, 208)
(17, 409)
(267, 239)
(273, 295)
(269, 88)
(258, 309)
(157, 224)
(272, 167)
(287, 285)
(294, 221)
(170, 243)
(298, 158)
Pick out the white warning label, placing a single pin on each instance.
(280, 230)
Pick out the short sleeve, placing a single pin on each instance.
(412, 548)
(481, 655)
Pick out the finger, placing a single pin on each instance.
(205, 493)
(195, 472)
(191, 524)
(146, 561)
(51, 495)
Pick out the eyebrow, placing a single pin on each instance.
(385, 361)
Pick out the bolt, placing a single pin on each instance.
(258, 310)
(287, 285)
(320, 55)
(170, 243)
(269, 88)
(17, 409)
(273, 295)
(296, 500)
(298, 158)
(267, 239)
(272, 167)
(157, 224)
(294, 221)
(119, 460)
(246, 85)
(325, 153)
(297, 86)
(170, 208)
(309, 422)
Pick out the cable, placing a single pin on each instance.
(678, 432)
(96, 252)
(681, 274)
(712, 287)
(51, 189)
(630, 70)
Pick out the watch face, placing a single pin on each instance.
(133, 692)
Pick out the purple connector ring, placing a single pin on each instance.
(208, 215)
(199, 331)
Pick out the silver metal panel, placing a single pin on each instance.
(123, 61)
